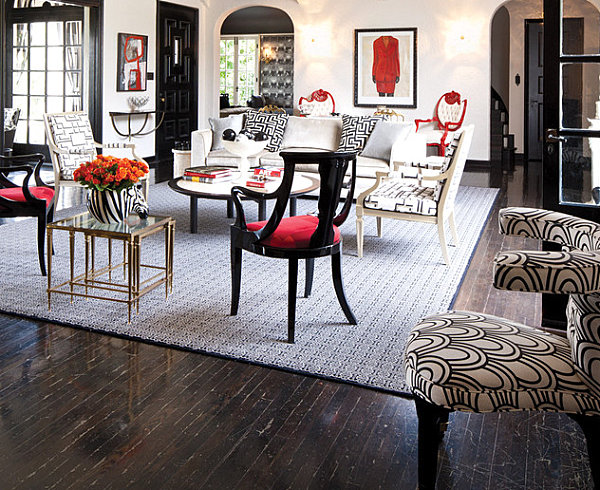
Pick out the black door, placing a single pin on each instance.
(571, 152)
(534, 86)
(177, 82)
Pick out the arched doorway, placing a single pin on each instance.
(256, 60)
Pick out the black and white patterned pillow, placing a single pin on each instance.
(356, 131)
(272, 124)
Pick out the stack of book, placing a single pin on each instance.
(207, 174)
(269, 171)
(259, 181)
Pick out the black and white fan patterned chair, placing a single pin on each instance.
(474, 362)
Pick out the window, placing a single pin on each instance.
(239, 68)
(47, 68)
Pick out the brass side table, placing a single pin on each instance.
(101, 282)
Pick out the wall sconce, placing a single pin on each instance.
(267, 55)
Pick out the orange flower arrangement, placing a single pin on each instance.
(106, 172)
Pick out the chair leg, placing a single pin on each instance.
(379, 226)
(292, 291)
(41, 240)
(590, 425)
(432, 425)
(310, 271)
(453, 228)
(440, 225)
(236, 278)
(359, 235)
(336, 269)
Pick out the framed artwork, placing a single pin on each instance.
(131, 61)
(385, 67)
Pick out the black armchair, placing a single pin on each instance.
(297, 237)
(25, 200)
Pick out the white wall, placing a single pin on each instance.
(445, 62)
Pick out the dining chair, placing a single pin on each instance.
(474, 362)
(20, 199)
(297, 237)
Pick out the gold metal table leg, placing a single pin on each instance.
(129, 246)
(49, 245)
(72, 259)
(109, 259)
(137, 270)
(88, 240)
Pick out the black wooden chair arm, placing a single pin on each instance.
(29, 171)
(345, 211)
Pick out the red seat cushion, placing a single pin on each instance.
(293, 232)
(16, 194)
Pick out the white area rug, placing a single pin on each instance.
(400, 279)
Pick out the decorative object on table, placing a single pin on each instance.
(71, 143)
(11, 119)
(208, 174)
(244, 148)
(475, 362)
(448, 117)
(136, 102)
(319, 103)
(427, 198)
(390, 114)
(297, 237)
(25, 200)
(131, 62)
(112, 189)
(385, 67)
(271, 108)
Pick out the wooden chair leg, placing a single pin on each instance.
(292, 291)
(359, 235)
(453, 228)
(310, 270)
(440, 225)
(236, 278)
(41, 240)
(379, 226)
(590, 425)
(432, 424)
(338, 284)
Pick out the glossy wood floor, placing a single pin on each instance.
(83, 410)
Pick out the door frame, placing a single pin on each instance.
(95, 37)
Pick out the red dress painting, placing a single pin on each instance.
(386, 65)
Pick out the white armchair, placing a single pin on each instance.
(422, 190)
(71, 143)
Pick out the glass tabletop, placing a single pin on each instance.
(133, 225)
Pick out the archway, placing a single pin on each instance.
(256, 60)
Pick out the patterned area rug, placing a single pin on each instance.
(400, 279)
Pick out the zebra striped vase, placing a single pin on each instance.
(108, 206)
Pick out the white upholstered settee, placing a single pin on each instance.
(387, 143)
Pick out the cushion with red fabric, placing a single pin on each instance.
(16, 194)
(293, 232)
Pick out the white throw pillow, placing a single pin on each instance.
(384, 135)
(218, 125)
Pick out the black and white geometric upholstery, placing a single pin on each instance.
(409, 193)
(273, 124)
(480, 363)
(356, 131)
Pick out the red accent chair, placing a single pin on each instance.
(448, 117)
(25, 200)
(319, 103)
(297, 237)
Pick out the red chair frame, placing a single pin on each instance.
(319, 95)
(449, 98)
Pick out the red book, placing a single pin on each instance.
(269, 172)
(259, 181)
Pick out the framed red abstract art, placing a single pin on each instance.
(131, 60)
(385, 67)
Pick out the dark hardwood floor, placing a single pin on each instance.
(84, 410)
